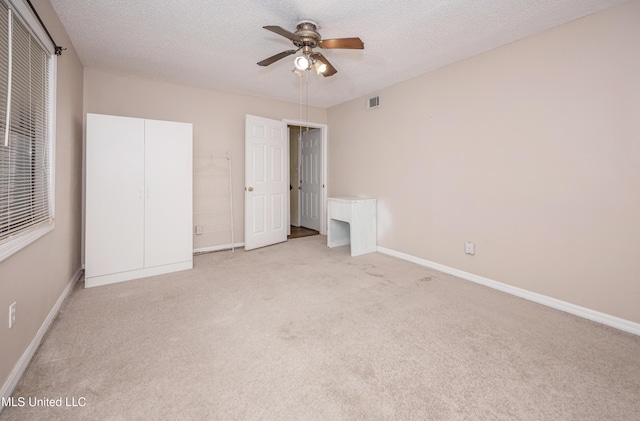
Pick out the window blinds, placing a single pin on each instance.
(25, 145)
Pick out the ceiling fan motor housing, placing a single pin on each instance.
(309, 37)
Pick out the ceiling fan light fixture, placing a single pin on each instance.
(302, 63)
(320, 67)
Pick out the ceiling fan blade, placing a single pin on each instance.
(330, 71)
(348, 43)
(281, 31)
(273, 59)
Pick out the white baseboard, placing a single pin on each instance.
(18, 370)
(217, 248)
(586, 313)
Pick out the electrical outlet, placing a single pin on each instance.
(469, 247)
(199, 229)
(12, 314)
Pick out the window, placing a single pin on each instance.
(26, 135)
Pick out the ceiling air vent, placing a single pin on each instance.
(373, 102)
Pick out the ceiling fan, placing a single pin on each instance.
(306, 38)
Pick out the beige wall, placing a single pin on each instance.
(531, 150)
(36, 276)
(218, 122)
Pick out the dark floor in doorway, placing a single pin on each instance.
(299, 232)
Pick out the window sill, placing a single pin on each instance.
(19, 241)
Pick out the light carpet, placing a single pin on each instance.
(298, 331)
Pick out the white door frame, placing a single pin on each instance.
(323, 202)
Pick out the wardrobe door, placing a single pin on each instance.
(114, 226)
(169, 183)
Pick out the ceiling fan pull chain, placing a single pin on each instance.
(306, 94)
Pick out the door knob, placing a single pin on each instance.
(250, 188)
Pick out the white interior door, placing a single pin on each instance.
(168, 192)
(310, 178)
(266, 197)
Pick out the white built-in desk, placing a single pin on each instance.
(352, 220)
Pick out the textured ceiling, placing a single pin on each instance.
(217, 43)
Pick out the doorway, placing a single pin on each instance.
(307, 151)
(267, 208)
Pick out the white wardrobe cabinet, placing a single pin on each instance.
(138, 212)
